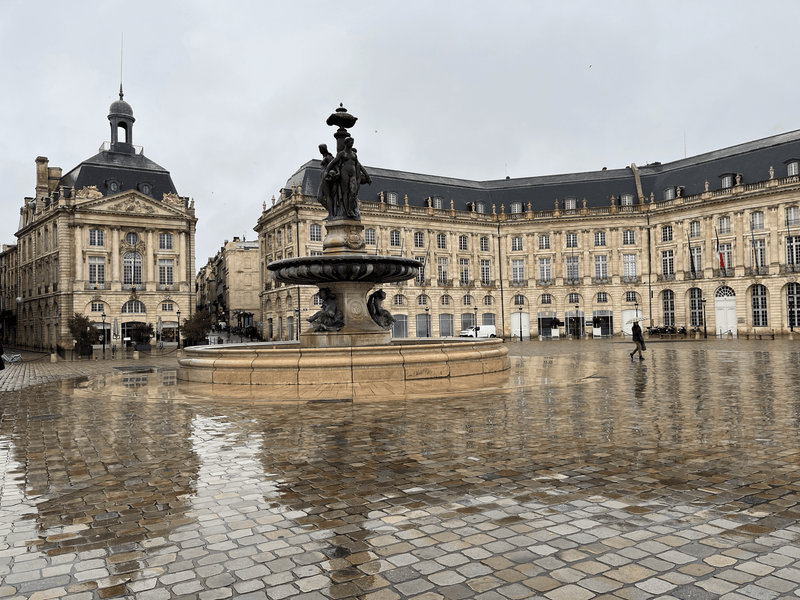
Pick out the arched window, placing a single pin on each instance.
(133, 306)
(668, 304)
(132, 268)
(759, 296)
(422, 300)
(487, 300)
(467, 300)
(446, 300)
(399, 300)
(696, 307)
(793, 303)
(546, 299)
(519, 299)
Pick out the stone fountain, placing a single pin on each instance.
(349, 339)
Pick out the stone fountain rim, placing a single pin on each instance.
(343, 259)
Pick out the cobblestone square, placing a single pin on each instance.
(578, 474)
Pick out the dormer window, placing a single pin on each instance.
(516, 207)
(669, 193)
(113, 185)
(437, 202)
(569, 203)
(726, 181)
(480, 207)
(626, 200)
(391, 197)
(146, 188)
(792, 167)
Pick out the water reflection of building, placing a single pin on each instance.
(111, 236)
(585, 248)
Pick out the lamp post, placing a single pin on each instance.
(297, 323)
(104, 334)
(791, 314)
(520, 322)
(179, 328)
(427, 322)
(475, 308)
(705, 328)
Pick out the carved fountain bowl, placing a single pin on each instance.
(365, 268)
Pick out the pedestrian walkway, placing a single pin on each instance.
(579, 475)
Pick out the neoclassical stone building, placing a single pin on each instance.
(110, 237)
(715, 235)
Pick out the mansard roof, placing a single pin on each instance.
(752, 160)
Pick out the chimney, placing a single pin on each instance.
(42, 177)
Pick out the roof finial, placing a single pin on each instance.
(121, 44)
(120, 91)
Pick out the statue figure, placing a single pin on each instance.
(706, 184)
(379, 314)
(324, 191)
(329, 317)
(344, 175)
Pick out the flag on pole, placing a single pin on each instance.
(719, 251)
(753, 237)
(789, 249)
(691, 256)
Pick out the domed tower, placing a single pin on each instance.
(120, 115)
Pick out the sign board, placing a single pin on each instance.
(127, 339)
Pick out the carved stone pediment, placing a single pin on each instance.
(172, 199)
(133, 205)
(90, 193)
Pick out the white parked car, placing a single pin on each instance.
(481, 331)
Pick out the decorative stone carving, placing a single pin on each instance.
(706, 184)
(329, 317)
(133, 205)
(90, 193)
(172, 199)
(771, 173)
(380, 315)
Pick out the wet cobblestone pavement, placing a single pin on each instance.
(579, 474)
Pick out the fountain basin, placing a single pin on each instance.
(365, 268)
(271, 363)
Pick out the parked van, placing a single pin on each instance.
(481, 331)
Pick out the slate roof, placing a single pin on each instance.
(129, 169)
(752, 160)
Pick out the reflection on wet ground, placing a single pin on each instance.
(578, 474)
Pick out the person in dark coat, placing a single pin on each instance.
(638, 338)
(2, 361)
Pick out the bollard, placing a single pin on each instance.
(697, 335)
(53, 357)
(730, 335)
(135, 355)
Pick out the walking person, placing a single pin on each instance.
(2, 360)
(638, 338)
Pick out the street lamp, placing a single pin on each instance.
(577, 322)
(179, 329)
(297, 323)
(791, 314)
(427, 321)
(705, 328)
(520, 322)
(104, 334)
(476, 320)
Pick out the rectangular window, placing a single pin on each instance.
(544, 242)
(792, 168)
(442, 269)
(628, 237)
(572, 268)
(394, 238)
(516, 244)
(421, 273)
(97, 269)
(627, 200)
(697, 258)
(726, 181)
(569, 203)
(599, 238)
(165, 241)
(602, 296)
(759, 306)
(725, 251)
(668, 305)
(315, 233)
(757, 220)
(694, 229)
(419, 239)
(98, 307)
(724, 224)
(516, 207)
(793, 250)
(441, 241)
(288, 235)
(165, 271)
(484, 244)
(463, 267)
(629, 267)
(760, 254)
(695, 307)
(601, 267)
(369, 237)
(630, 297)
(666, 233)
(517, 271)
(280, 239)
(166, 306)
(316, 253)
(793, 215)
(572, 240)
(96, 237)
(462, 242)
(544, 269)
(486, 274)
(667, 264)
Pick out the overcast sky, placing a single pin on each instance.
(232, 97)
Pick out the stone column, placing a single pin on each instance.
(148, 258)
(182, 258)
(78, 253)
(115, 275)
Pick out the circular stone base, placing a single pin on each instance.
(289, 364)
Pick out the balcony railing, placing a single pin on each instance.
(757, 271)
(572, 281)
(600, 279)
(518, 283)
(793, 268)
(544, 282)
(630, 279)
(723, 272)
(95, 286)
(696, 275)
(444, 282)
(138, 287)
(666, 277)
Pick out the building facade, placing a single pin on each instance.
(111, 240)
(228, 285)
(711, 240)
